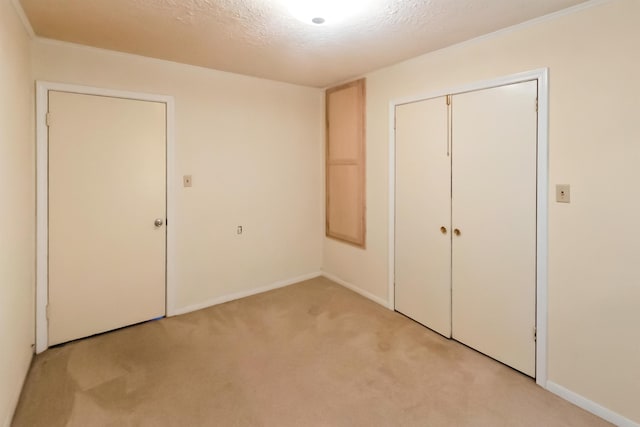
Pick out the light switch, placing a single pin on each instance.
(563, 193)
(186, 180)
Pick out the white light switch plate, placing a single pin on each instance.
(563, 193)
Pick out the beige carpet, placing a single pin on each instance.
(311, 354)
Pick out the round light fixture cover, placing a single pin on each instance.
(316, 12)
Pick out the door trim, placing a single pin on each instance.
(42, 184)
(542, 193)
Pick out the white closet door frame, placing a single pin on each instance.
(542, 76)
(42, 178)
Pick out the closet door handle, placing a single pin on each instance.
(457, 232)
(443, 230)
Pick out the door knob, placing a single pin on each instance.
(158, 222)
(443, 230)
(456, 232)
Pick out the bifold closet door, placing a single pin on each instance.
(494, 219)
(423, 214)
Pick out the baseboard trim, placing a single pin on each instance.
(357, 290)
(243, 294)
(591, 406)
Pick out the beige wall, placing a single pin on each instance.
(254, 150)
(17, 198)
(594, 242)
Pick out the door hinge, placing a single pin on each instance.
(48, 119)
(448, 99)
(46, 309)
(535, 334)
(536, 105)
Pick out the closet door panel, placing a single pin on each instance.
(423, 206)
(494, 207)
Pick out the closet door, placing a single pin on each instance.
(423, 214)
(494, 210)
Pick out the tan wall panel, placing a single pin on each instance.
(345, 216)
(345, 146)
(345, 114)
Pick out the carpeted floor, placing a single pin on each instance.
(311, 354)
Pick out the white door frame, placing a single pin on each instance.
(542, 193)
(42, 196)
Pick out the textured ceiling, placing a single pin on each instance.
(261, 38)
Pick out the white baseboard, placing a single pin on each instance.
(243, 294)
(357, 290)
(590, 406)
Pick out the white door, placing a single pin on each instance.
(494, 209)
(106, 189)
(423, 214)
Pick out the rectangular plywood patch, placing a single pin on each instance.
(345, 163)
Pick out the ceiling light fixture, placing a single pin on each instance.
(319, 12)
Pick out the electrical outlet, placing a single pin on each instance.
(563, 193)
(186, 181)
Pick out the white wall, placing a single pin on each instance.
(17, 201)
(594, 292)
(254, 150)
